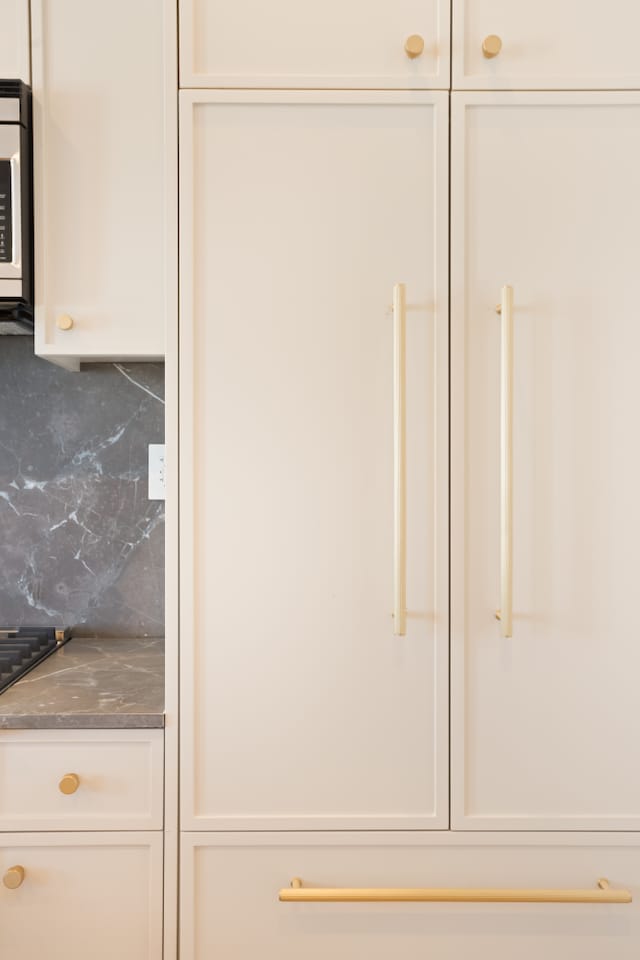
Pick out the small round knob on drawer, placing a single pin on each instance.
(13, 877)
(491, 46)
(64, 322)
(414, 46)
(69, 783)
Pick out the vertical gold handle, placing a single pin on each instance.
(13, 877)
(399, 462)
(505, 614)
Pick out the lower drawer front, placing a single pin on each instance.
(231, 907)
(90, 896)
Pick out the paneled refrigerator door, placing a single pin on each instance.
(545, 461)
(314, 460)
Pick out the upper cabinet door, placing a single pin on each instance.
(546, 201)
(335, 43)
(300, 213)
(105, 145)
(14, 40)
(546, 44)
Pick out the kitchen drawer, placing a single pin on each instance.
(115, 779)
(228, 878)
(549, 44)
(330, 44)
(79, 896)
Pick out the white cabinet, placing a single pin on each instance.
(75, 893)
(549, 44)
(285, 43)
(545, 199)
(104, 78)
(300, 212)
(83, 895)
(14, 41)
(230, 885)
(81, 780)
(302, 711)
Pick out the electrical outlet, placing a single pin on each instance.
(156, 471)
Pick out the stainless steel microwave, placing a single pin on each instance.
(16, 206)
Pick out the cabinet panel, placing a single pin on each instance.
(119, 780)
(551, 44)
(300, 213)
(545, 198)
(360, 43)
(96, 896)
(105, 177)
(14, 41)
(226, 880)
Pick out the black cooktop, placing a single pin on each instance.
(22, 648)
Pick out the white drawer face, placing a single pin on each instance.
(95, 896)
(549, 44)
(231, 908)
(332, 44)
(81, 780)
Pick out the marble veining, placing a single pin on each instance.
(115, 684)
(80, 543)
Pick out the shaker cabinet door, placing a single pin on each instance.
(95, 895)
(546, 201)
(300, 213)
(104, 79)
(14, 41)
(548, 44)
(329, 43)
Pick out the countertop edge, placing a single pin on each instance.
(87, 721)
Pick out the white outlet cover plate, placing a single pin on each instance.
(156, 471)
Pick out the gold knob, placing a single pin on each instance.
(13, 877)
(64, 322)
(69, 783)
(414, 46)
(491, 46)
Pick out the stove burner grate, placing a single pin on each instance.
(22, 648)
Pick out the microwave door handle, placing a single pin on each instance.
(16, 207)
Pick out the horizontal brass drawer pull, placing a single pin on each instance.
(297, 893)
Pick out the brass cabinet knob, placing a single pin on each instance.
(414, 46)
(64, 322)
(491, 46)
(69, 783)
(13, 877)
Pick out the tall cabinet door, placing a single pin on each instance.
(14, 41)
(105, 157)
(300, 212)
(546, 200)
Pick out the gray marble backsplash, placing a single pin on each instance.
(80, 543)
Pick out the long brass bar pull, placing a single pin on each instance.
(399, 462)
(298, 893)
(505, 614)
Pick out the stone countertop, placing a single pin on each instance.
(90, 684)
